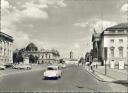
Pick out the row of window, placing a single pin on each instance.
(5, 52)
(120, 52)
(120, 41)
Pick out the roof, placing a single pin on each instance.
(8, 37)
(119, 26)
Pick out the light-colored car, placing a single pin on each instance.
(25, 66)
(63, 66)
(2, 67)
(52, 72)
(22, 66)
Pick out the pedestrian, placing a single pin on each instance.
(92, 67)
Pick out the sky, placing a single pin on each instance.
(65, 25)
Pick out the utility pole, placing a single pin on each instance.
(127, 43)
(104, 49)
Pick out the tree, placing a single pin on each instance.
(81, 60)
(33, 59)
(17, 57)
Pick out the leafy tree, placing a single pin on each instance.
(33, 59)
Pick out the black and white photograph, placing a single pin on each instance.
(64, 46)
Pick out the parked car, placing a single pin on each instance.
(63, 65)
(22, 66)
(25, 66)
(8, 65)
(2, 67)
(16, 66)
(87, 63)
(52, 72)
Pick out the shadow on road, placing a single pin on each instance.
(123, 82)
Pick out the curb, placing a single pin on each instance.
(95, 76)
(100, 79)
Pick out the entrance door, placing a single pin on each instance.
(112, 64)
(121, 64)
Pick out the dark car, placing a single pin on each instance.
(9, 65)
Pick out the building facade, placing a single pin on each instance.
(114, 44)
(44, 56)
(6, 51)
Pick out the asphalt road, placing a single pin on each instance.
(73, 79)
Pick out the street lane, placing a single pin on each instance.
(73, 79)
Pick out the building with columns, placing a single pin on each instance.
(114, 44)
(6, 51)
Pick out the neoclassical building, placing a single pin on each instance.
(114, 44)
(111, 45)
(6, 52)
(43, 55)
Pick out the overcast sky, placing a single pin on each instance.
(61, 24)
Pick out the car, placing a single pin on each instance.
(15, 66)
(22, 66)
(87, 63)
(25, 66)
(8, 65)
(63, 65)
(2, 67)
(52, 72)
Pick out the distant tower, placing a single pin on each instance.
(71, 55)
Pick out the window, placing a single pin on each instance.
(120, 40)
(112, 51)
(112, 41)
(120, 52)
(46, 56)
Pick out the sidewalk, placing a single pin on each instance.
(113, 75)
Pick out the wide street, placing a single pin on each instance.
(74, 78)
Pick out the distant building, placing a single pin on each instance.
(44, 56)
(71, 55)
(6, 42)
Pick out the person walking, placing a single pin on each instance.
(92, 67)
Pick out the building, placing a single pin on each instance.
(44, 56)
(114, 44)
(6, 42)
(71, 55)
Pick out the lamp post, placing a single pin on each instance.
(127, 46)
